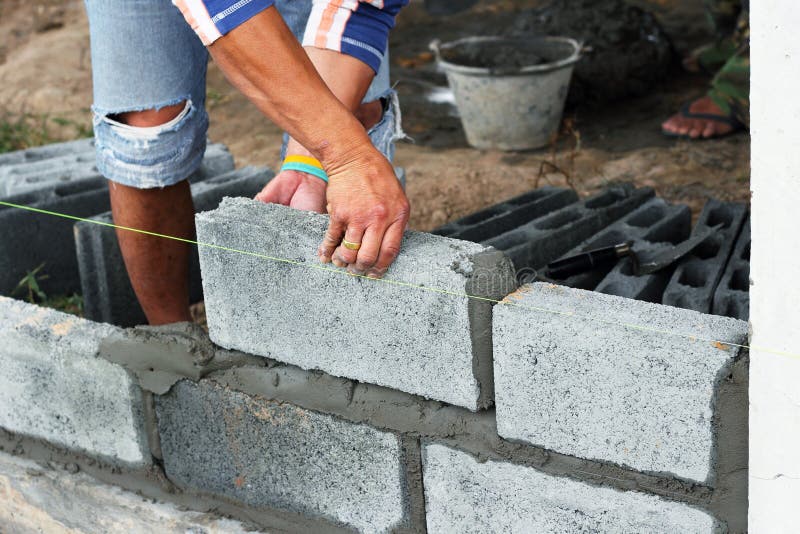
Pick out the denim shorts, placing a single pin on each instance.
(145, 56)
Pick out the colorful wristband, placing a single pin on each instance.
(305, 164)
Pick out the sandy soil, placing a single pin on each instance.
(45, 69)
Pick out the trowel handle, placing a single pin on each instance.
(586, 261)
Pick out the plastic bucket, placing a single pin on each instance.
(510, 92)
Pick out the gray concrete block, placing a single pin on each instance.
(537, 243)
(267, 454)
(651, 227)
(732, 297)
(612, 379)
(54, 150)
(105, 286)
(508, 215)
(80, 166)
(430, 343)
(53, 386)
(28, 239)
(695, 280)
(465, 495)
(54, 499)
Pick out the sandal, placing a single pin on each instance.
(735, 124)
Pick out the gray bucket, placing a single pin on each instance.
(510, 92)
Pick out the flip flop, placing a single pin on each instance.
(735, 124)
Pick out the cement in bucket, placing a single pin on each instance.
(510, 92)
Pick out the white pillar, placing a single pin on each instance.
(774, 472)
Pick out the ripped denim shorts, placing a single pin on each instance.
(145, 56)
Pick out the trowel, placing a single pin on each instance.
(599, 257)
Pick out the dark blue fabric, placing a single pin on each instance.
(240, 11)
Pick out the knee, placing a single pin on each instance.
(150, 117)
(147, 148)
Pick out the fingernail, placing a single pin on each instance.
(338, 262)
(373, 274)
(352, 269)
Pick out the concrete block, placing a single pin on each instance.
(535, 244)
(732, 297)
(695, 280)
(267, 454)
(54, 499)
(650, 227)
(80, 165)
(508, 215)
(53, 386)
(465, 495)
(612, 379)
(54, 150)
(436, 344)
(29, 239)
(105, 286)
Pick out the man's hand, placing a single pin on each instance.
(367, 206)
(296, 189)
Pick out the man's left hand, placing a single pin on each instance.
(296, 189)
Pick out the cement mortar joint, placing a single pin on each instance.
(418, 418)
(160, 356)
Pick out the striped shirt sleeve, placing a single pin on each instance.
(356, 28)
(211, 19)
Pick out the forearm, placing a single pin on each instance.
(347, 77)
(263, 59)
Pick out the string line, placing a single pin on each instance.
(323, 267)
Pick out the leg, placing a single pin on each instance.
(722, 17)
(728, 99)
(150, 126)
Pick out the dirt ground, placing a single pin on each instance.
(45, 70)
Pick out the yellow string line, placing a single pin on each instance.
(323, 267)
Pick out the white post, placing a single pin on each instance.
(774, 472)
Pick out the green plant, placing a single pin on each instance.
(30, 285)
(24, 130)
(81, 129)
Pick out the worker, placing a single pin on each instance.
(149, 65)
(725, 109)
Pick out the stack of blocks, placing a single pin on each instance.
(443, 398)
(42, 180)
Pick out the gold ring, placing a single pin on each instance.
(349, 245)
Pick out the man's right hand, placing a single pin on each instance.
(368, 206)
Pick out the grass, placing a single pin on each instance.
(29, 289)
(25, 130)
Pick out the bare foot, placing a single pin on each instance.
(699, 127)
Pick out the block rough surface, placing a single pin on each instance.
(427, 343)
(582, 383)
(540, 241)
(54, 387)
(60, 501)
(464, 495)
(695, 280)
(274, 455)
(732, 297)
